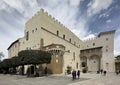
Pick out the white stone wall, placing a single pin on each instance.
(14, 49)
(107, 61)
(47, 29)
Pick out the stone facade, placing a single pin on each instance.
(44, 32)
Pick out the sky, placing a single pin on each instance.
(85, 18)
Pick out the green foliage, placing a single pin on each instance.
(7, 63)
(27, 57)
(118, 57)
(12, 62)
(85, 69)
(69, 68)
(16, 61)
(34, 57)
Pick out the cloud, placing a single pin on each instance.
(74, 2)
(21, 6)
(109, 21)
(96, 6)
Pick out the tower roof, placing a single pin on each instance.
(107, 32)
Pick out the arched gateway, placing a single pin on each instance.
(91, 58)
(94, 63)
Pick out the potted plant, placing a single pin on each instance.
(69, 68)
(85, 69)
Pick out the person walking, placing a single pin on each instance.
(78, 74)
(117, 72)
(101, 71)
(104, 72)
(73, 75)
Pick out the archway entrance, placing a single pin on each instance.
(83, 61)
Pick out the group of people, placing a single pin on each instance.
(102, 72)
(75, 74)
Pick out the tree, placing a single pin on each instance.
(26, 57)
(7, 63)
(16, 61)
(34, 57)
(69, 68)
(118, 57)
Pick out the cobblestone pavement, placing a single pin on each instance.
(86, 79)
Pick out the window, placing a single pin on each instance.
(74, 56)
(32, 31)
(74, 43)
(27, 35)
(27, 48)
(87, 51)
(63, 36)
(57, 33)
(70, 40)
(77, 65)
(42, 42)
(92, 50)
(106, 50)
(93, 44)
(106, 39)
(68, 51)
(35, 28)
(83, 64)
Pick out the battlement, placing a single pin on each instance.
(51, 18)
(48, 16)
(90, 39)
(100, 35)
(106, 33)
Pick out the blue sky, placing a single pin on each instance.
(86, 18)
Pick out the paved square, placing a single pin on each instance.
(46, 80)
(86, 79)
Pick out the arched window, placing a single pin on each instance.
(70, 40)
(27, 35)
(63, 36)
(83, 64)
(57, 33)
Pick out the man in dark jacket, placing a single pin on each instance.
(78, 74)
